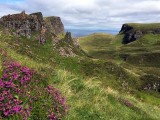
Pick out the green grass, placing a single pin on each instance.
(92, 87)
(135, 60)
(100, 45)
(144, 26)
(146, 40)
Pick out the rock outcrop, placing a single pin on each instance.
(68, 37)
(67, 46)
(22, 24)
(135, 31)
(25, 24)
(54, 25)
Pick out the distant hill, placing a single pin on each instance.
(84, 32)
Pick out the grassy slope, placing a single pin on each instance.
(98, 45)
(111, 49)
(87, 95)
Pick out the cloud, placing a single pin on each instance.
(89, 14)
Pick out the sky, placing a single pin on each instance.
(89, 14)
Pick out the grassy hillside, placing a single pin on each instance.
(139, 59)
(100, 45)
(141, 52)
(144, 26)
(94, 89)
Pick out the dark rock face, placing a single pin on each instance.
(130, 37)
(131, 34)
(68, 37)
(125, 28)
(54, 25)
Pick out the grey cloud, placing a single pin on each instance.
(102, 14)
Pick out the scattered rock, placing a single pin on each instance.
(150, 82)
(66, 52)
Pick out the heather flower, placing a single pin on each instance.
(1, 84)
(17, 109)
(1, 98)
(15, 75)
(15, 86)
(5, 76)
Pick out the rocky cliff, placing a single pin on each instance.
(25, 24)
(134, 31)
(45, 28)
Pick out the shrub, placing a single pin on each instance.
(21, 94)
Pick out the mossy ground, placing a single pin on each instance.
(94, 88)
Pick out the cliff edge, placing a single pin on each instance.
(134, 31)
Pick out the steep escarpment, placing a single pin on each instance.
(134, 31)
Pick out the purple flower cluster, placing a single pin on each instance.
(9, 105)
(59, 107)
(17, 86)
(11, 88)
(15, 72)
